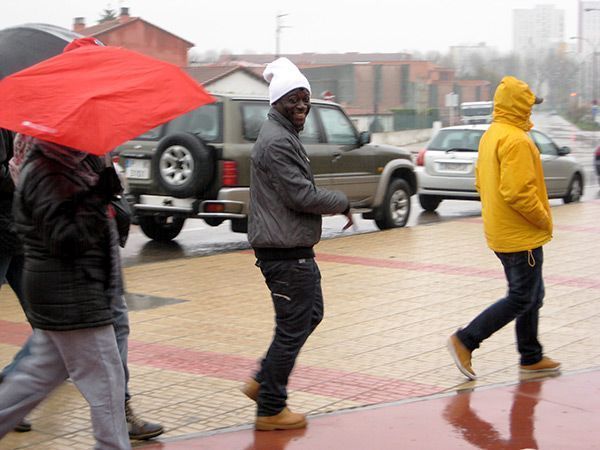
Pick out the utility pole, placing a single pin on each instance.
(278, 28)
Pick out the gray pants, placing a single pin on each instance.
(91, 359)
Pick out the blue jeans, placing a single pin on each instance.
(522, 302)
(11, 272)
(295, 287)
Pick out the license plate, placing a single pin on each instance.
(454, 167)
(137, 168)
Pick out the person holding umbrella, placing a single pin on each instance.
(61, 212)
(286, 210)
(138, 428)
(81, 103)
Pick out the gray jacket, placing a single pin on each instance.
(285, 204)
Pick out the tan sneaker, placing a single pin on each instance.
(461, 356)
(545, 365)
(285, 420)
(251, 388)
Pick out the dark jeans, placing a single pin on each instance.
(295, 287)
(522, 302)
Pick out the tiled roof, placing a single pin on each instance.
(210, 73)
(110, 25)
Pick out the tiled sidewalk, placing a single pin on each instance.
(391, 300)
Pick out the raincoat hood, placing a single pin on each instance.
(512, 103)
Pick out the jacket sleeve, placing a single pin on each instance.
(6, 183)
(69, 221)
(296, 188)
(518, 185)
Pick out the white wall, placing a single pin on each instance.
(238, 83)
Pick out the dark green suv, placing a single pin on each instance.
(198, 166)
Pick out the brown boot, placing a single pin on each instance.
(251, 388)
(285, 420)
(461, 356)
(545, 365)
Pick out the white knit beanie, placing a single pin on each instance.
(283, 76)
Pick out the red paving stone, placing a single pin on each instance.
(315, 380)
(559, 413)
(583, 282)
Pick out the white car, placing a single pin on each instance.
(446, 167)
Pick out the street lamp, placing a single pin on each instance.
(278, 29)
(594, 52)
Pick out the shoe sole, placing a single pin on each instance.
(145, 437)
(273, 427)
(554, 370)
(464, 371)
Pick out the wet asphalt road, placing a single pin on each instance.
(199, 239)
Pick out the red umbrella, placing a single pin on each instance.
(94, 98)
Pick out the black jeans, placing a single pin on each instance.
(295, 287)
(522, 302)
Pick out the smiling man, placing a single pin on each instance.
(284, 224)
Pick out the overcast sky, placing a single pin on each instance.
(314, 25)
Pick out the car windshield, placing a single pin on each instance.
(456, 139)
(480, 111)
(203, 122)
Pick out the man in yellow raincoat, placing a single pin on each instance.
(517, 223)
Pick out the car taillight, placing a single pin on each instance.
(230, 173)
(421, 157)
(598, 152)
(116, 159)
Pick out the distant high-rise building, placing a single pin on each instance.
(538, 29)
(589, 26)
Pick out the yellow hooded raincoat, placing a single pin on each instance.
(509, 175)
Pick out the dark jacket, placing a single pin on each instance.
(285, 204)
(9, 241)
(65, 230)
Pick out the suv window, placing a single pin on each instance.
(253, 116)
(338, 128)
(203, 122)
(151, 135)
(255, 113)
(544, 143)
(467, 140)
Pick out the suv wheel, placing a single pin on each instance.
(183, 165)
(161, 228)
(575, 190)
(394, 211)
(429, 202)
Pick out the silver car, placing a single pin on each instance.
(446, 167)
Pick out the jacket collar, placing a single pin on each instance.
(282, 120)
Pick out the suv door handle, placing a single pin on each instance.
(337, 155)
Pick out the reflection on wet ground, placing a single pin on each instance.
(557, 412)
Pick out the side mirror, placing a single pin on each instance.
(562, 151)
(364, 138)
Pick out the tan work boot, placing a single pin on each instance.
(251, 388)
(285, 420)
(544, 365)
(461, 356)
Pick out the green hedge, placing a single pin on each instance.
(410, 119)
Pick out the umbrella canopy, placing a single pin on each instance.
(25, 45)
(94, 98)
